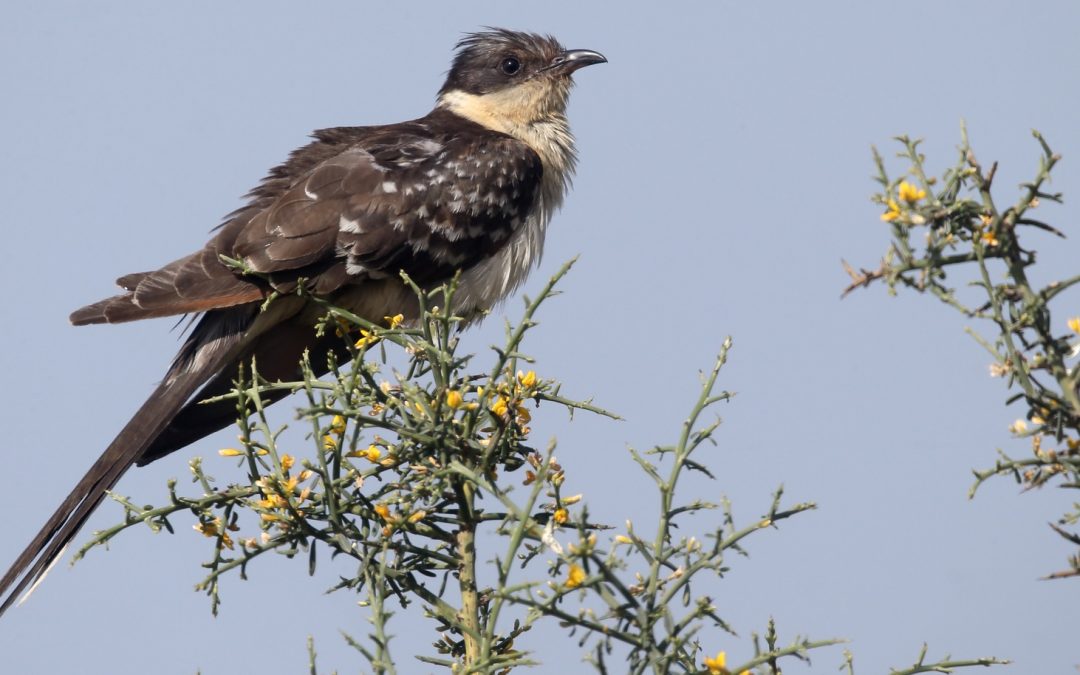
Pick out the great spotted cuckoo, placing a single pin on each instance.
(470, 188)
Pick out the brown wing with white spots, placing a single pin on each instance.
(428, 197)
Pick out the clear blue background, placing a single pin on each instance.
(724, 173)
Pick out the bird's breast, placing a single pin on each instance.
(485, 284)
(488, 282)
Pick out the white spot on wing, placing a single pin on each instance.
(389, 187)
(429, 146)
(353, 226)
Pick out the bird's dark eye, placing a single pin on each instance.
(510, 65)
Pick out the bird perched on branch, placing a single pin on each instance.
(470, 188)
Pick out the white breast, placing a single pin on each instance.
(485, 284)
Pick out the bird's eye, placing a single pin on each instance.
(510, 65)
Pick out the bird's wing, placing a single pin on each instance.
(389, 199)
(428, 204)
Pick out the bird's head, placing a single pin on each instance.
(506, 80)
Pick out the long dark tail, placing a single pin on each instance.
(172, 418)
(277, 355)
(218, 340)
(49, 544)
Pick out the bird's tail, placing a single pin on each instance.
(49, 544)
(218, 344)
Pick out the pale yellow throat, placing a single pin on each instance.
(532, 112)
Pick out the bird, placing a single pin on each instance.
(468, 189)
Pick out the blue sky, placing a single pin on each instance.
(725, 171)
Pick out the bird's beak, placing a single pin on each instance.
(573, 59)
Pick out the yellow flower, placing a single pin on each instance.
(367, 338)
(989, 238)
(417, 516)
(893, 213)
(273, 501)
(560, 516)
(909, 193)
(1074, 324)
(384, 511)
(329, 442)
(527, 380)
(210, 529)
(575, 576)
(717, 665)
(394, 321)
(500, 406)
(454, 399)
(342, 329)
(287, 462)
(1018, 427)
(230, 452)
(371, 453)
(337, 425)
(523, 415)
(623, 539)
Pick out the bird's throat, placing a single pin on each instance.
(533, 115)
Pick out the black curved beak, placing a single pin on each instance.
(573, 59)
